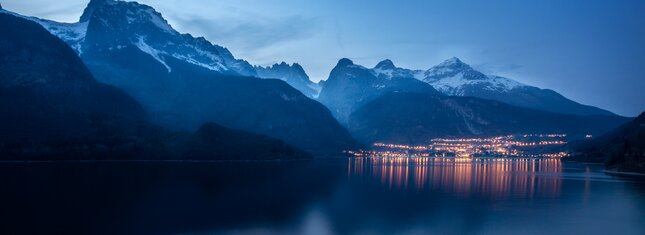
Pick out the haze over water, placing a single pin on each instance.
(336, 196)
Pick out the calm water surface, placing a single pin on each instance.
(335, 196)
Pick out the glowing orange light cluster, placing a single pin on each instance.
(507, 146)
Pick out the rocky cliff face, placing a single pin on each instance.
(293, 74)
(184, 82)
(350, 86)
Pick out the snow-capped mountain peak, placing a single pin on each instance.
(450, 68)
(387, 70)
(454, 77)
(91, 7)
(72, 33)
(452, 62)
(111, 25)
(126, 17)
(451, 77)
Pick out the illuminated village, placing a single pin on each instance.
(526, 145)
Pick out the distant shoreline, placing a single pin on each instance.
(625, 173)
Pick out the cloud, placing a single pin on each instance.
(64, 10)
(250, 33)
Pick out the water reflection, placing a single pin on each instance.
(327, 196)
(494, 178)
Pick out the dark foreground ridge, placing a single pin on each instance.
(622, 150)
(415, 118)
(53, 109)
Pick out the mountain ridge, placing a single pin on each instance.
(184, 82)
(124, 19)
(456, 78)
(293, 74)
(53, 109)
(415, 118)
(621, 149)
(350, 86)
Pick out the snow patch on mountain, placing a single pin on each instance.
(143, 46)
(72, 33)
(451, 77)
(384, 72)
(436, 72)
(451, 85)
(129, 22)
(202, 58)
(505, 83)
(455, 85)
(66, 31)
(390, 73)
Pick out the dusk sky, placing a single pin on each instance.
(590, 51)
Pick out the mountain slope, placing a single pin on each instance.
(416, 118)
(623, 149)
(184, 82)
(453, 77)
(109, 25)
(52, 108)
(350, 86)
(293, 74)
(39, 74)
(456, 78)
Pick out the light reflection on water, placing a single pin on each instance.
(325, 196)
(489, 177)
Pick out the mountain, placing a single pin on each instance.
(46, 89)
(293, 74)
(183, 82)
(52, 108)
(215, 141)
(350, 86)
(111, 25)
(414, 118)
(622, 149)
(456, 78)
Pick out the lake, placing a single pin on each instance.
(331, 196)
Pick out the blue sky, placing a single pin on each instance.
(591, 51)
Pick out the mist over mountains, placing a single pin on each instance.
(180, 83)
(456, 78)
(183, 81)
(391, 104)
(53, 109)
(118, 121)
